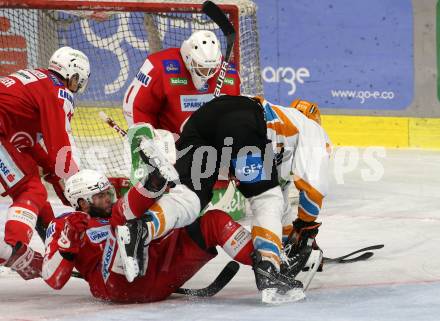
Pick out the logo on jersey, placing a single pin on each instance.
(229, 81)
(107, 257)
(193, 102)
(55, 80)
(9, 172)
(179, 81)
(204, 88)
(63, 94)
(171, 66)
(50, 230)
(231, 69)
(98, 234)
(249, 168)
(237, 241)
(8, 82)
(143, 78)
(21, 140)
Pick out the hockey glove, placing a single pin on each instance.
(303, 230)
(73, 232)
(299, 246)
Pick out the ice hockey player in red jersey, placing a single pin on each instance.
(36, 106)
(175, 82)
(85, 240)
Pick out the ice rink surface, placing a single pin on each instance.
(376, 196)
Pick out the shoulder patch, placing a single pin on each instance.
(50, 230)
(64, 94)
(143, 78)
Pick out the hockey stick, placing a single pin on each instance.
(112, 123)
(218, 16)
(362, 257)
(218, 284)
(77, 275)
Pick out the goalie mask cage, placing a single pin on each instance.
(117, 37)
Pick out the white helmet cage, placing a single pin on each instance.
(68, 62)
(202, 56)
(85, 184)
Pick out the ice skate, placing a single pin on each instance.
(132, 242)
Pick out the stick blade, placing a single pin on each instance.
(218, 284)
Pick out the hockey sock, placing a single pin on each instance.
(218, 228)
(20, 224)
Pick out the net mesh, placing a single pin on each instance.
(117, 43)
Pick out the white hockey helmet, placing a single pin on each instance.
(85, 184)
(68, 62)
(202, 56)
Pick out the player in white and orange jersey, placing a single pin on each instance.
(302, 147)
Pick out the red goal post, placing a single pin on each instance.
(117, 36)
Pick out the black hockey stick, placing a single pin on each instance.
(345, 258)
(218, 16)
(218, 284)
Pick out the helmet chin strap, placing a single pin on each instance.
(95, 211)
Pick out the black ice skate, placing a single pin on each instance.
(132, 241)
(275, 287)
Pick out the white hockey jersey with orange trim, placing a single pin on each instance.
(302, 148)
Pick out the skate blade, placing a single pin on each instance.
(131, 269)
(271, 296)
(129, 264)
(312, 264)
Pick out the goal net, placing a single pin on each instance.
(117, 37)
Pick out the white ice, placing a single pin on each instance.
(400, 282)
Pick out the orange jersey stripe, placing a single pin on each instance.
(285, 127)
(263, 233)
(312, 194)
(158, 212)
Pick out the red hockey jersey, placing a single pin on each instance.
(164, 95)
(35, 105)
(172, 260)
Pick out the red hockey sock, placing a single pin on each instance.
(133, 205)
(46, 214)
(139, 202)
(218, 228)
(20, 224)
